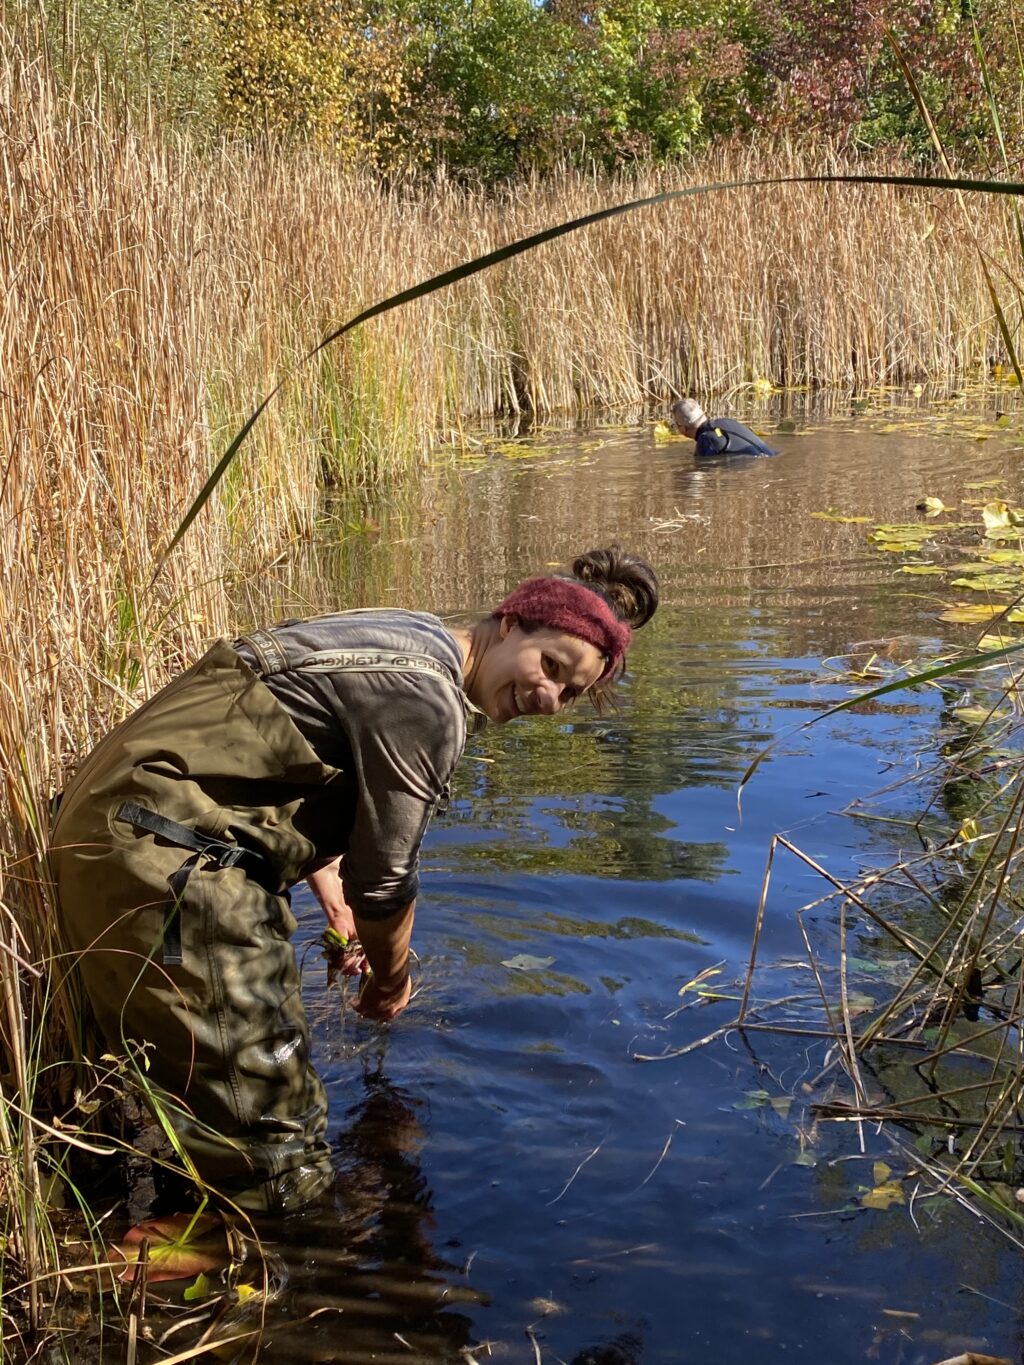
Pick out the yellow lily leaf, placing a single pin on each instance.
(886, 1191)
(997, 515)
(930, 506)
(967, 614)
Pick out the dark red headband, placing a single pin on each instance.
(566, 604)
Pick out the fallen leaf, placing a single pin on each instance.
(988, 582)
(997, 515)
(967, 614)
(182, 1245)
(523, 962)
(201, 1288)
(886, 1191)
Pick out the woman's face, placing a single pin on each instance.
(532, 673)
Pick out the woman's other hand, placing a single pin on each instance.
(326, 885)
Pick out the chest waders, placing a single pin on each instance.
(172, 853)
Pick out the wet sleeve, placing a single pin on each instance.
(406, 734)
(711, 441)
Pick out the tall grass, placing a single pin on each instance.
(154, 290)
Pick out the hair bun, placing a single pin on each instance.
(627, 581)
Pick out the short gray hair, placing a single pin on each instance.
(687, 412)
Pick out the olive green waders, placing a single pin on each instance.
(172, 853)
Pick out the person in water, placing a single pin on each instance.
(722, 436)
(314, 750)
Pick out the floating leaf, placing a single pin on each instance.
(180, 1245)
(998, 515)
(966, 614)
(886, 1192)
(1004, 557)
(931, 506)
(782, 1105)
(201, 1288)
(523, 962)
(988, 582)
(246, 1292)
(995, 641)
(986, 483)
(663, 432)
(973, 715)
(922, 569)
(859, 1002)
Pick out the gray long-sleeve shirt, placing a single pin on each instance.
(379, 695)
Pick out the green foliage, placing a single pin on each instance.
(497, 88)
(151, 54)
(318, 70)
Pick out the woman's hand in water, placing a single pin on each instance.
(326, 885)
(384, 1004)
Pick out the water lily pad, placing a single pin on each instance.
(988, 582)
(182, 1245)
(997, 640)
(930, 506)
(922, 569)
(997, 515)
(967, 614)
(524, 962)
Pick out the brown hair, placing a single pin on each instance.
(630, 587)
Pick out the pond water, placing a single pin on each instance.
(513, 1183)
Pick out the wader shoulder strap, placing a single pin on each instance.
(272, 659)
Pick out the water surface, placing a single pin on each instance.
(509, 1173)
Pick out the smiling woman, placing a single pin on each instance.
(316, 749)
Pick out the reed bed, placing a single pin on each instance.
(154, 290)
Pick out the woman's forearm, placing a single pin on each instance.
(386, 945)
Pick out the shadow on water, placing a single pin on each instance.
(508, 1173)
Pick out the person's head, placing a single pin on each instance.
(688, 415)
(555, 638)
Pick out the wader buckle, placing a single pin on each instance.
(221, 854)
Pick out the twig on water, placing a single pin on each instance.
(574, 1175)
